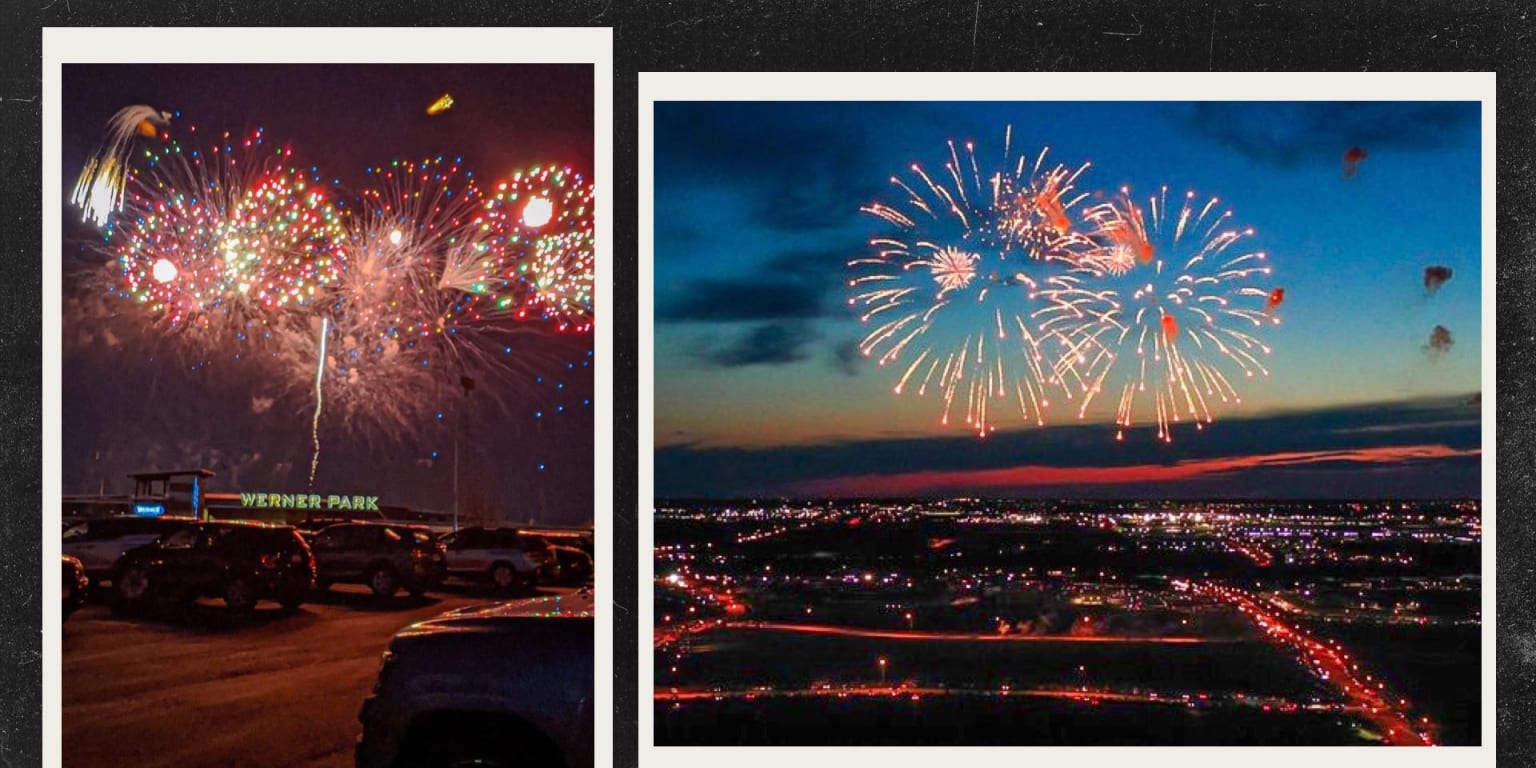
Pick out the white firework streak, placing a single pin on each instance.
(1001, 251)
(1192, 319)
(100, 189)
(314, 426)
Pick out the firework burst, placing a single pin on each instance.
(542, 217)
(1189, 308)
(101, 187)
(213, 244)
(981, 291)
(560, 280)
(419, 304)
(365, 315)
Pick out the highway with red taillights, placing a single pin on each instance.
(1329, 661)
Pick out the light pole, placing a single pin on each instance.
(468, 384)
(881, 663)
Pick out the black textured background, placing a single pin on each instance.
(771, 35)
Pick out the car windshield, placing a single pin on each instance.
(182, 539)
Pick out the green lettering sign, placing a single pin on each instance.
(308, 501)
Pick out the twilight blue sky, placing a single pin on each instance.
(757, 214)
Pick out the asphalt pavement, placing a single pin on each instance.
(271, 689)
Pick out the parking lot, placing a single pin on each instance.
(206, 689)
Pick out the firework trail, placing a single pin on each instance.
(100, 188)
(982, 290)
(214, 245)
(314, 429)
(1187, 311)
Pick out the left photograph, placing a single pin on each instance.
(326, 422)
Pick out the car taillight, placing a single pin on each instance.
(270, 560)
(418, 553)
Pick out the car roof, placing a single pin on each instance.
(254, 524)
(377, 524)
(578, 605)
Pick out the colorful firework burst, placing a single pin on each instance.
(560, 278)
(213, 244)
(370, 313)
(1187, 312)
(543, 218)
(985, 280)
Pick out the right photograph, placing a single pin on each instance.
(1067, 423)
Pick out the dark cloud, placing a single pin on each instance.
(1440, 342)
(687, 471)
(792, 286)
(806, 171)
(846, 357)
(739, 300)
(1434, 277)
(768, 344)
(1322, 132)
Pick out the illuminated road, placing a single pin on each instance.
(1329, 661)
(961, 637)
(1083, 695)
(916, 692)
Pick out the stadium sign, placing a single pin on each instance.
(308, 501)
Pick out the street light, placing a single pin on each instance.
(881, 662)
(468, 384)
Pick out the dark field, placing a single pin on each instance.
(785, 660)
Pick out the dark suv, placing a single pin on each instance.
(243, 563)
(384, 556)
(506, 684)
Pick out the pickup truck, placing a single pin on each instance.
(504, 684)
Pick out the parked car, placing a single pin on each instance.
(384, 556)
(507, 684)
(571, 565)
(100, 542)
(507, 558)
(76, 585)
(243, 563)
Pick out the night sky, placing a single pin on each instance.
(130, 405)
(760, 390)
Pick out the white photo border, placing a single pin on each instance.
(333, 45)
(1064, 86)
